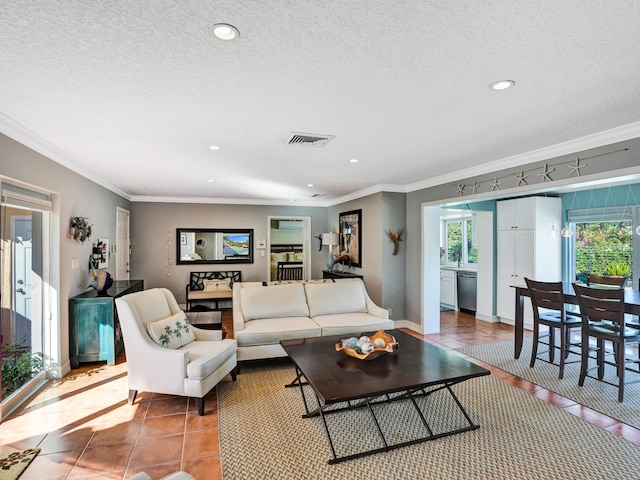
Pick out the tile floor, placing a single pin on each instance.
(85, 428)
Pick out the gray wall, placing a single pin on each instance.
(384, 273)
(393, 213)
(154, 225)
(75, 195)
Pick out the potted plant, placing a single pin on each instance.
(618, 268)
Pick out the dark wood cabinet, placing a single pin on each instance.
(95, 332)
(336, 274)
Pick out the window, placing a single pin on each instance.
(602, 243)
(457, 244)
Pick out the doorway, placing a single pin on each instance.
(289, 247)
(25, 271)
(123, 251)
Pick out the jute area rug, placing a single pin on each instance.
(594, 394)
(263, 435)
(13, 464)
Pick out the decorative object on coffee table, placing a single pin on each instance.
(380, 343)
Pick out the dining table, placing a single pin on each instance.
(631, 306)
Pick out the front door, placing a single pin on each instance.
(22, 281)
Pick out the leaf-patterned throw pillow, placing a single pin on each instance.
(171, 332)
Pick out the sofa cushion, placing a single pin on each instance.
(171, 332)
(223, 285)
(205, 357)
(351, 323)
(274, 302)
(332, 298)
(268, 331)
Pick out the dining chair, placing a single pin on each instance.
(598, 280)
(603, 318)
(547, 300)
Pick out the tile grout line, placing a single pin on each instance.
(135, 443)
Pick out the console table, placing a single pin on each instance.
(95, 332)
(336, 274)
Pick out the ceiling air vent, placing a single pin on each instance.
(308, 139)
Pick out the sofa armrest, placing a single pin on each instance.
(377, 311)
(207, 335)
(238, 317)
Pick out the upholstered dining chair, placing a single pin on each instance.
(547, 300)
(603, 318)
(165, 354)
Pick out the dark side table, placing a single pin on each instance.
(336, 274)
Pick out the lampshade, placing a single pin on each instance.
(329, 239)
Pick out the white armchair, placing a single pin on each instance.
(191, 362)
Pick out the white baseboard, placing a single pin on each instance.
(407, 324)
(487, 318)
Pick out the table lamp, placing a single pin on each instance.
(330, 239)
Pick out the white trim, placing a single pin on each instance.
(23, 135)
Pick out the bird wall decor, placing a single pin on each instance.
(396, 238)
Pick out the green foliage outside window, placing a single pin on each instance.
(603, 247)
(19, 366)
(456, 251)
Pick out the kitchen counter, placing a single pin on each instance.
(458, 269)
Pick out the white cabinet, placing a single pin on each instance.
(448, 287)
(526, 249)
(517, 214)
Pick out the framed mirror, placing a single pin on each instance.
(213, 245)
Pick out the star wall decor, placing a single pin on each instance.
(545, 173)
(575, 168)
(521, 178)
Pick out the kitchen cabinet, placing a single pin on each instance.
(526, 249)
(95, 332)
(448, 287)
(517, 214)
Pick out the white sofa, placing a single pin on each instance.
(190, 363)
(265, 314)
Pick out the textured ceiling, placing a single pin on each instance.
(132, 94)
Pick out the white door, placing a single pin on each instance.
(122, 244)
(22, 281)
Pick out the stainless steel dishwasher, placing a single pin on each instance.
(467, 288)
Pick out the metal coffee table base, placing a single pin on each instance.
(368, 403)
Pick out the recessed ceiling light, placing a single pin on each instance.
(211, 180)
(214, 147)
(309, 184)
(502, 84)
(354, 160)
(225, 32)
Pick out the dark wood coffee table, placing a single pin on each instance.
(414, 371)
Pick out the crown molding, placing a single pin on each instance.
(227, 201)
(607, 137)
(26, 137)
(21, 134)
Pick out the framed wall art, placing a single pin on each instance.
(351, 236)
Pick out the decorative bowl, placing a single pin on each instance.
(389, 343)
